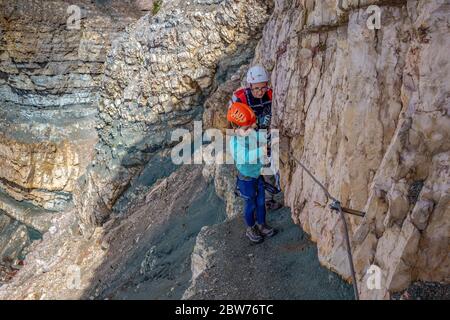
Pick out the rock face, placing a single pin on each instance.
(156, 80)
(368, 112)
(50, 75)
(50, 72)
(156, 76)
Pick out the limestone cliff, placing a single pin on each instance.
(368, 112)
(156, 80)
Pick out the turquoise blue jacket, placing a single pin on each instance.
(249, 159)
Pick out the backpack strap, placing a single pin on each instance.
(240, 96)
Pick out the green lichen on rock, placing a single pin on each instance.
(156, 6)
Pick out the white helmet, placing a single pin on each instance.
(257, 74)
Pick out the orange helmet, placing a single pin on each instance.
(241, 114)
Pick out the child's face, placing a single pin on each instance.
(246, 130)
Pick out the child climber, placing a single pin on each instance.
(249, 159)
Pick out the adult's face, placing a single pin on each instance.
(259, 89)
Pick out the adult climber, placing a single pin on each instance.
(258, 95)
(249, 160)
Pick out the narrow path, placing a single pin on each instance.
(282, 267)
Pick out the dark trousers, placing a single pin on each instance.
(253, 192)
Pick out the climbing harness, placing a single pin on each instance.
(336, 205)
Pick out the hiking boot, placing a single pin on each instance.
(253, 234)
(266, 230)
